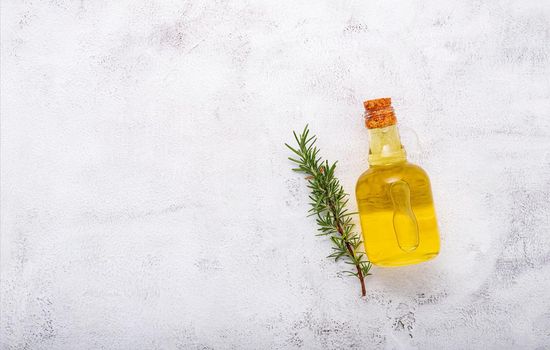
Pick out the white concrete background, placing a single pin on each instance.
(147, 202)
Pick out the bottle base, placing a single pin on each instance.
(403, 261)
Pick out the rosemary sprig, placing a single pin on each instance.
(328, 203)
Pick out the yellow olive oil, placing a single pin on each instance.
(394, 197)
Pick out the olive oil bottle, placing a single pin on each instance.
(394, 196)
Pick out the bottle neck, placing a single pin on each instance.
(385, 146)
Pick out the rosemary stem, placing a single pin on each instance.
(349, 248)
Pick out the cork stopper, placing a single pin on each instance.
(379, 113)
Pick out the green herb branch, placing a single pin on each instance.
(328, 203)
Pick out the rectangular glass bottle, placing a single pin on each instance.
(394, 197)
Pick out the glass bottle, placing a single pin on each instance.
(394, 196)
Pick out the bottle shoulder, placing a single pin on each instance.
(391, 173)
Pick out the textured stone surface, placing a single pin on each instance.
(147, 202)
